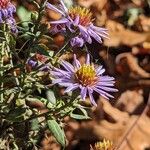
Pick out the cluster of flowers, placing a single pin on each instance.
(6, 14)
(85, 77)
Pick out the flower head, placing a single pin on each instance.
(77, 18)
(104, 145)
(85, 77)
(6, 14)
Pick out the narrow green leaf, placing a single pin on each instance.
(80, 117)
(57, 132)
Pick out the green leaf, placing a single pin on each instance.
(68, 3)
(82, 114)
(50, 96)
(24, 15)
(80, 117)
(57, 132)
(35, 124)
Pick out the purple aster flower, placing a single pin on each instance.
(77, 18)
(6, 14)
(85, 77)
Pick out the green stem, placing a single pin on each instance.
(62, 49)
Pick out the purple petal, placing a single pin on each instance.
(56, 74)
(100, 71)
(50, 6)
(65, 84)
(67, 66)
(76, 21)
(63, 6)
(107, 88)
(90, 91)
(55, 81)
(61, 21)
(71, 88)
(105, 83)
(100, 31)
(85, 34)
(61, 71)
(76, 62)
(95, 35)
(103, 93)
(106, 78)
(83, 92)
(70, 25)
(77, 42)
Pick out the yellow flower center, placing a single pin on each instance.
(105, 145)
(85, 16)
(86, 75)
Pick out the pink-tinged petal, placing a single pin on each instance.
(61, 21)
(50, 6)
(71, 88)
(103, 93)
(90, 91)
(67, 66)
(83, 92)
(88, 59)
(63, 6)
(76, 62)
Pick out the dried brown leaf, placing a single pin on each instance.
(118, 35)
(133, 64)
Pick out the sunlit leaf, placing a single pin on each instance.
(57, 132)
